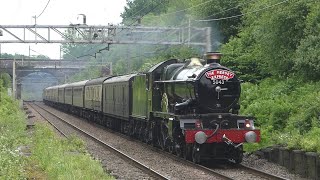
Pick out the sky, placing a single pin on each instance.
(58, 12)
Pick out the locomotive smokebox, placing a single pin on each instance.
(213, 57)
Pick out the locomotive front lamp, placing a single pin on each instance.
(247, 123)
(200, 137)
(250, 137)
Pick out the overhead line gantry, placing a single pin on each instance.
(110, 34)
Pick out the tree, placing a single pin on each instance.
(5, 80)
(216, 9)
(307, 56)
(136, 9)
(270, 35)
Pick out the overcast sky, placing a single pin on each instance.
(58, 12)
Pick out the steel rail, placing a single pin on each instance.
(134, 162)
(259, 172)
(171, 156)
(48, 120)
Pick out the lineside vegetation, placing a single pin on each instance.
(287, 111)
(40, 154)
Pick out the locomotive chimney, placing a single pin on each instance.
(213, 57)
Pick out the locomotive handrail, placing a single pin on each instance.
(168, 81)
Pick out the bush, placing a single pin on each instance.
(286, 111)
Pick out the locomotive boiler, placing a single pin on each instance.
(187, 107)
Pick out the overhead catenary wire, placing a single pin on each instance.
(239, 15)
(38, 52)
(132, 16)
(186, 8)
(239, 5)
(160, 3)
(43, 9)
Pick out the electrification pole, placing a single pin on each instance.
(14, 78)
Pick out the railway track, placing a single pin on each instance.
(227, 170)
(223, 173)
(265, 174)
(52, 124)
(134, 162)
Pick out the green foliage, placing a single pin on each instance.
(12, 136)
(174, 52)
(216, 9)
(12, 56)
(5, 80)
(241, 57)
(307, 56)
(51, 157)
(310, 141)
(269, 39)
(286, 110)
(64, 158)
(77, 52)
(88, 73)
(136, 9)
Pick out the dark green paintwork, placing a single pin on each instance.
(117, 96)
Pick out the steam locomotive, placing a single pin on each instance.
(189, 108)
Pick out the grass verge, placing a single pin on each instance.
(51, 157)
(12, 137)
(64, 158)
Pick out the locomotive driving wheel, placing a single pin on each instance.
(196, 153)
(147, 135)
(178, 147)
(187, 150)
(163, 136)
(178, 141)
(170, 145)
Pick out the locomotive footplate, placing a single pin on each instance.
(234, 135)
